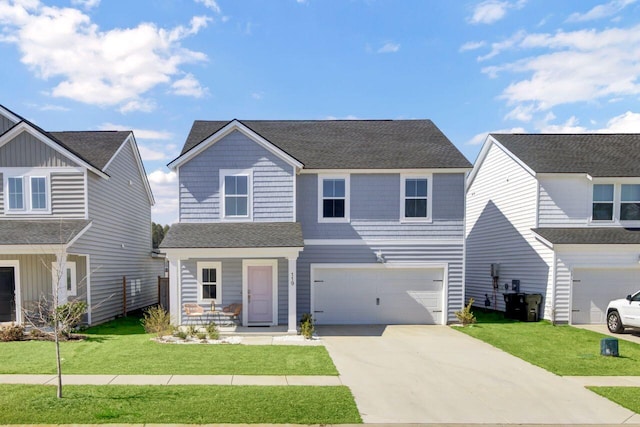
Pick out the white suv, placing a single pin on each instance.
(622, 313)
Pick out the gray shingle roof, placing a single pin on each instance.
(234, 235)
(590, 235)
(350, 144)
(599, 155)
(95, 147)
(20, 232)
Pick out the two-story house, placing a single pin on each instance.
(559, 213)
(356, 222)
(75, 216)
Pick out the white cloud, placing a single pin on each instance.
(125, 63)
(144, 105)
(576, 66)
(523, 113)
(48, 107)
(189, 86)
(480, 138)
(164, 186)
(491, 11)
(472, 46)
(347, 117)
(87, 4)
(257, 95)
(139, 133)
(572, 125)
(389, 48)
(499, 47)
(211, 4)
(600, 11)
(628, 122)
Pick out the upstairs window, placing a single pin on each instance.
(16, 193)
(602, 202)
(235, 194)
(38, 193)
(415, 198)
(630, 202)
(333, 203)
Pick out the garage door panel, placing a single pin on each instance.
(377, 295)
(594, 288)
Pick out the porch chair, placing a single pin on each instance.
(231, 313)
(193, 310)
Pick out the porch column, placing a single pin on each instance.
(174, 291)
(292, 279)
(60, 277)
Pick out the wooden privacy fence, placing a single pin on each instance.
(163, 292)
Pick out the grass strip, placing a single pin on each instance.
(36, 404)
(122, 347)
(563, 350)
(629, 397)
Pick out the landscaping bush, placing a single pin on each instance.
(156, 320)
(306, 326)
(69, 316)
(11, 333)
(212, 330)
(466, 316)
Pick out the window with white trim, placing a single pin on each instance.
(27, 194)
(235, 194)
(630, 202)
(38, 193)
(68, 277)
(415, 198)
(209, 282)
(333, 201)
(15, 191)
(603, 202)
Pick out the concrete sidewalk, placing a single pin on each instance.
(266, 380)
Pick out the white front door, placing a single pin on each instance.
(260, 293)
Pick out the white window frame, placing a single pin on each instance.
(347, 197)
(626, 221)
(617, 200)
(26, 175)
(236, 172)
(403, 179)
(69, 266)
(210, 264)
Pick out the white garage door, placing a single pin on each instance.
(378, 295)
(594, 288)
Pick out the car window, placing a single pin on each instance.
(635, 297)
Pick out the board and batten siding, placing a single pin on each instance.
(564, 201)
(569, 257)
(25, 150)
(500, 213)
(119, 239)
(450, 254)
(231, 285)
(272, 189)
(375, 209)
(5, 123)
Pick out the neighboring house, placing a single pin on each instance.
(353, 221)
(77, 202)
(561, 214)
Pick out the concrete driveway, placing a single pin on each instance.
(630, 334)
(434, 374)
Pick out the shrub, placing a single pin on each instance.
(11, 333)
(69, 316)
(181, 334)
(466, 316)
(212, 330)
(156, 321)
(191, 331)
(202, 336)
(306, 326)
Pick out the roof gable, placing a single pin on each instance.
(347, 144)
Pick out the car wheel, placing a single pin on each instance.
(614, 323)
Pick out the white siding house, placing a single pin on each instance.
(558, 213)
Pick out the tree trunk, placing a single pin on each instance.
(59, 368)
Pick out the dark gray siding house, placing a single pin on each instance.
(356, 222)
(77, 203)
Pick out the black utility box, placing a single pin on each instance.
(515, 306)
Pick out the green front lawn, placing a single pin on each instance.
(122, 347)
(563, 350)
(29, 404)
(629, 397)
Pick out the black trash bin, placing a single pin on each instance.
(533, 307)
(515, 306)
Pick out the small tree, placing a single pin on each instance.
(466, 316)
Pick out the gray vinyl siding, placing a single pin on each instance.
(449, 254)
(375, 209)
(1, 194)
(27, 151)
(272, 188)
(67, 195)
(119, 239)
(231, 284)
(501, 211)
(5, 123)
(36, 278)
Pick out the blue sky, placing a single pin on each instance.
(471, 66)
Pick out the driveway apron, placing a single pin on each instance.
(434, 374)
